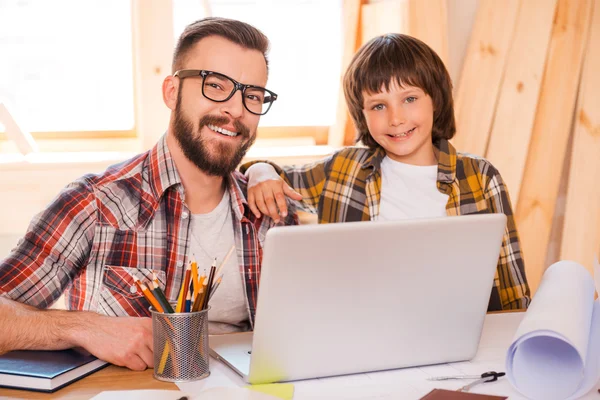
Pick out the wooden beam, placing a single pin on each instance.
(482, 73)
(341, 132)
(519, 94)
(581, 233)
(384, 17)
(551, 131)
(428, 21)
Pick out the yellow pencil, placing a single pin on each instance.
(184, 289)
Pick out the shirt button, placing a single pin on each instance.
(133, 289)
(180, 263)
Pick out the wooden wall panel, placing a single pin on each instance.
(519, 94)
(482, 73)
(384, 17)
(342, 132)
(551, 131)
(581, 233)
(428, 21)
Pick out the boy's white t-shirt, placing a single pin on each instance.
(409, 191)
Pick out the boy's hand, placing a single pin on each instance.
(267, 192)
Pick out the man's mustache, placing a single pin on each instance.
(219, 120)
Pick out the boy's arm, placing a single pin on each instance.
(510, 279)
(303, 182)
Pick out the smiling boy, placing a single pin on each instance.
(399, 95)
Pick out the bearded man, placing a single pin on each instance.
(149, 216)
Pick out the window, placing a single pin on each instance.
(69, 65)
(305, 55)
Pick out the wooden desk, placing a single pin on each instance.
(109, 378)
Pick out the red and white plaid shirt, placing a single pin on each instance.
(130, 220)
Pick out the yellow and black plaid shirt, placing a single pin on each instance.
(346, 186)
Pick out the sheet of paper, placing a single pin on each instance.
(140, 395)
(547, 359)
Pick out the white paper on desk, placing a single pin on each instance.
(210, 394)
(556, 350)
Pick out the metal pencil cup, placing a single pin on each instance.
(180, 346)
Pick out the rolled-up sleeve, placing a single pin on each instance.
(53, 251)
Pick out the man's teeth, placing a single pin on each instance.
(222, 131)
(404, 134)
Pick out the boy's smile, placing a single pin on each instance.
(400, 120)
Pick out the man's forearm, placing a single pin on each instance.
(23, 327)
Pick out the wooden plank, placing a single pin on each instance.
(581, 233)
(428, 21)
(519, 94)
(341, 132)
(384, 17)
(482, 73)
(551, 131)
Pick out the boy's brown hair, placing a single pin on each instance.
(238, 32)
(410, 62)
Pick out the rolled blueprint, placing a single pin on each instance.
(555, 354)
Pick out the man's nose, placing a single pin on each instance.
(234, 106)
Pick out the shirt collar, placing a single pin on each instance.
(445, 153)
(236, 185)
(446, 156)
(162, 172)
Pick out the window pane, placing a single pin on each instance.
(67, 64)
(305, 57)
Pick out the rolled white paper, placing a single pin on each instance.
(556, 350)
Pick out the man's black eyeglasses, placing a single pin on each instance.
(218, 87)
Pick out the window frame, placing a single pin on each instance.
(152, 20)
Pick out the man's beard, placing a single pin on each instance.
(194, 146)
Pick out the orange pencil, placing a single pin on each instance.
(198, 300)
(148, 294)
(195, 282)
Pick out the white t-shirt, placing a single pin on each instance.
(212, 236)
(409, 191)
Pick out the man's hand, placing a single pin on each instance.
(267, 192)
(123, 341)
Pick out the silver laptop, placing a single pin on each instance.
(355, 297)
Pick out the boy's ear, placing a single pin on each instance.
(170, 88)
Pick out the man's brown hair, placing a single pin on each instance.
(238, 32)
(408, 61)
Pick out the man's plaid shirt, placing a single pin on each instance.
(347, 186)
(102, 230)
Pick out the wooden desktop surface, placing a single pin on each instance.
(109, 378)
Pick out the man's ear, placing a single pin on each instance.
(170, 88)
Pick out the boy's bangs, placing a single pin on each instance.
(384, 71)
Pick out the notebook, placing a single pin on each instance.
(46, 371)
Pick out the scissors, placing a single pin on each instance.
(490, 376)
